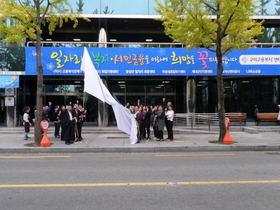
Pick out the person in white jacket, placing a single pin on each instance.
(169, 122)
(26, 122)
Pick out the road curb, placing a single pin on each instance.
(131, 149)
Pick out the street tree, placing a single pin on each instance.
(106, 10)
(276, 31)
(263, 8)
(22, 19)
(218, 25)
(80, 5)
(268, 33)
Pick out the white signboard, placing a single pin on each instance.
(9, 101)
(9, 91)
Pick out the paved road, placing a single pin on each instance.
(216, 180)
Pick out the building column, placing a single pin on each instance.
(191, 96)
(102, 107)
(10, 116)
(103, 111)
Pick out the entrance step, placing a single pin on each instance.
(178, 130)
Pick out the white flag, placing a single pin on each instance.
(95, 87)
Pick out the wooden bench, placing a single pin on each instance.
(237, 117)
(267, 117)
(244, 118)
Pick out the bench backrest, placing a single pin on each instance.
(242, 115)
(236, 116)
(267, 115)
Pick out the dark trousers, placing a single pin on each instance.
(62, 134)
(79, 125)
(138, 131)
(256, 120)
(155, 127)
(169, 126)
(68, 133)
(160, 134)
(56, 129)
(142, 130)
(148, 132)
(165, 121)
(26, 127)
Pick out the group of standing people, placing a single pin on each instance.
(158, 116)
(68, 121)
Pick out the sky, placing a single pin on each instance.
(141, 7)
(135, 7)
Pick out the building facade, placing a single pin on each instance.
(114, 25)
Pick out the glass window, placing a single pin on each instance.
(118, 86)
(12, 59)
(73, 88)
(154, 100)
(91, 105)
(132, 100)
(64, 86)
(155, 88)
(58, 88)
(135, 86)
(170, 87)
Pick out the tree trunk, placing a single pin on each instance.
(39, 93)
(220, 91)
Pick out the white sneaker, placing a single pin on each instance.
(154, 138)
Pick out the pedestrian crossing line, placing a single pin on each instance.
(31, 157)
(194, 155)
(139, 184)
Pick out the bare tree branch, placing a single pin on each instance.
(211, 7)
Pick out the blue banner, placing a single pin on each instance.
(155, 61)
(9, 81)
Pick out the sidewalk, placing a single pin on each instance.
(109, 139)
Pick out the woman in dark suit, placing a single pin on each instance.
(67, 125)
(147, 122)
(160, 119)
(61, 119)
(56, 117)
(155, 122)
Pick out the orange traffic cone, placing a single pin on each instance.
(227, 138)
(46, 142)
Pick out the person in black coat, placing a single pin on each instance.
(61, 118)
(56, 117)
(46, 110)
(81, 121)
(76, 116)
(67, 125)
(140, 117)
(160, 119)
(155, 122)
(147, 122)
